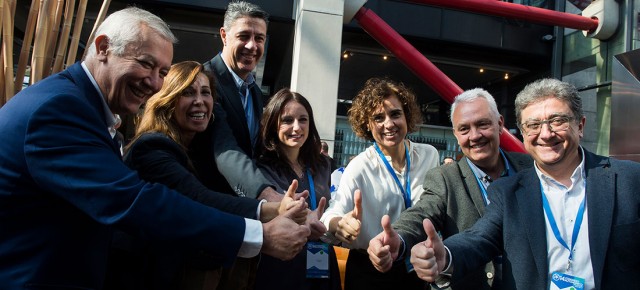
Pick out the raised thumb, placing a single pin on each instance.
(291, 192)
(389, 232)
(430, 230)
(320, 208)
(357, 200)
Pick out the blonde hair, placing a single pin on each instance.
(158, 112)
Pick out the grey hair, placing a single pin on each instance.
(238, 9)
(471, 95)
(123, 28)
(549, 88)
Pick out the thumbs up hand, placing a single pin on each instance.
(347, 227)
(429, 257)
(383, 248)
(293, 200)
(313, 221)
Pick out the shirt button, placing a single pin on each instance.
(489, 275)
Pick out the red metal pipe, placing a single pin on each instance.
(420, 65)
(517, 11)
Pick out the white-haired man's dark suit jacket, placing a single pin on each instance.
(64, 188)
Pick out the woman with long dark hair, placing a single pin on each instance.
(289, 149)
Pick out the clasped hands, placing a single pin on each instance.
(285, 235)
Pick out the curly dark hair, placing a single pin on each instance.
(269, 150)
(374, 92)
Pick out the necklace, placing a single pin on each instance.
(298, 169)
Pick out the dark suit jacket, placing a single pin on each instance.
(452, 200)
(139, 264)
(514, 226)
(63, 187)
(231, 157)
(159, 159)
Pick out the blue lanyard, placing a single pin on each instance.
(312, 190)
(554, 226)
(406, 193)
(485, 196)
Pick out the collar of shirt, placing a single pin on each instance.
(551, 185)
(482, 176)
(112, 119)
(564, 203)
(239, 81)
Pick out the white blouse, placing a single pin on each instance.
(380, 193)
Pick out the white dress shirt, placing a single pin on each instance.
(564, 203)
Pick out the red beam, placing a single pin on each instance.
(420, 65)
(517, 11)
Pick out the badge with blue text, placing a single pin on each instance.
(317, 260)
(561, 281)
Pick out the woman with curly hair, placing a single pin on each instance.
(385, 179)
(289, 149)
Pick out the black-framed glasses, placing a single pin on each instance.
(556, 124)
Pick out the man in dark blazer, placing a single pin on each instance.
(238, 108)
(453, 197)
(571, 221)
(64, 187)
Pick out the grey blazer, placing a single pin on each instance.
(452, 200)
(514, 226)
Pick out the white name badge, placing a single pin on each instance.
(317, 260)
(563, 281)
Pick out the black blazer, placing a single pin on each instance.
(231, 157)
(141, 264)
(514, 226)
(159, 159)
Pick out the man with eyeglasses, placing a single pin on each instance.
(570, 222)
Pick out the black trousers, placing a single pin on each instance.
(360, 274)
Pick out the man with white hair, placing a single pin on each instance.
(64, 187)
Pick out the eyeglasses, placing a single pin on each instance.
(556, 124)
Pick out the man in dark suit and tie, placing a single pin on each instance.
(230, 166)
(238, 111)
(455, 195)
(64, 187)
(571, 221)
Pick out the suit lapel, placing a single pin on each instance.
(80, 79)
(519, 161)
(529, 198)
(257, 101)
(230, 94)
(472, 185)
(600, 191)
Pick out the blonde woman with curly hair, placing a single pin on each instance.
(385, 179)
